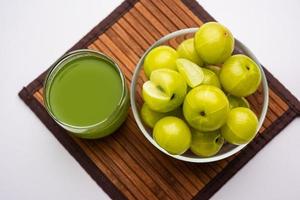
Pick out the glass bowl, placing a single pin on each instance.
(112, 120)
(258, 101)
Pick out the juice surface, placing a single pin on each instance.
(85, 91)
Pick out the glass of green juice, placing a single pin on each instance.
(85, 92)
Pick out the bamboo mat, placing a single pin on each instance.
(125, 164)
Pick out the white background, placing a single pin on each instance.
(33, 33)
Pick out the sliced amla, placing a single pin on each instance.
(165, 91)
(191, 72)
(151, 90)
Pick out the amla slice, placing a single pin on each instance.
(155, 93)
(165, 91)
(191, 72)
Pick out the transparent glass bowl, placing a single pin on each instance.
(258, 101)
(101, 128)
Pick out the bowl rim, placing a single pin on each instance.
(145, 132)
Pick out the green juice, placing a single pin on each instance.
(85, 92)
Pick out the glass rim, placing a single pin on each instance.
(141, 125)
(58, 65)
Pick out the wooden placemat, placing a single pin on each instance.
(124, 164)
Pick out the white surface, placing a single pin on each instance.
(34, 33)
